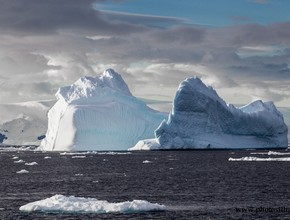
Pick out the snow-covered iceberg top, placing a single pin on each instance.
(201, 119)
(60, 203)
(98, 113)
(90, 89)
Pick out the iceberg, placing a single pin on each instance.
(200, 119)
(60, 203)
(98, 113)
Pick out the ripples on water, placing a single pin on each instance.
(192, 184)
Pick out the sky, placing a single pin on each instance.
(240, 47)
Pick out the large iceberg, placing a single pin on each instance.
(200, 119)
(98, 113)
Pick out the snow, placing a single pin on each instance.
(98, 113)
(23, 123)
(200, 119)
(31, 164)
(22, 171)
(60, 203)
(259, 159)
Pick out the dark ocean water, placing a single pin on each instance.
(192, 184)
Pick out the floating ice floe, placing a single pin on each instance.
(31, 164)
(94, 152)
(47, 157)
(113, 153)
(259, 159)
(78, 157)
(22, 171)
(147, 161)
(16, 148)
(60, 203)
(272, 153)
(15, 158)
(19, 161)
(76, 153)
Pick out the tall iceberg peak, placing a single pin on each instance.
(92, 88)
(98, 113)
(201, 119)
(115, 81)
(192, 93)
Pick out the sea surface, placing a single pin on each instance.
(191, 184)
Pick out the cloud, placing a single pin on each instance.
(45, 17)
(51, 43)
(148, 20)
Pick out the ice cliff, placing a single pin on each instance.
(201, 119)
(98, 113)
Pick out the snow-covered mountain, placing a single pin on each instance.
(24, 123)
(98, 113)
(201, 119)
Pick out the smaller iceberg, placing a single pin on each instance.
(200, 119)
(60, 203)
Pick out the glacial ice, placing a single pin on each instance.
(60, 203)
(200, 119)
(98, 113)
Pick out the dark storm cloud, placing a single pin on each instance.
(37, 17)
(252, 34)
